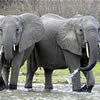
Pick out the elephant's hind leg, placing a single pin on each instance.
(31, 69)
(29, 77)
(48, 78)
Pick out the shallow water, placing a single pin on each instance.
(60, 92)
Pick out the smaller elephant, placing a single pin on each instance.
(68, 43)
(18, 35)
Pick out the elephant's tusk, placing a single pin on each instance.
(1, 50)
(72, 75)
(14, 46)
(87, 50)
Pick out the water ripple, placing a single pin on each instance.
(60, 92)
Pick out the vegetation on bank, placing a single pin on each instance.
(59, 76)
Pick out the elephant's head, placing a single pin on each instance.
(79, 33)
(18, 33)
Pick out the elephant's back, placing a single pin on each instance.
(52, 16)
(52, 23)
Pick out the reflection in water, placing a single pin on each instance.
(60, 92)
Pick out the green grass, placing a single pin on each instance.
(59, 76)
(96, 71)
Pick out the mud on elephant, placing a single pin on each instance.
(69, 43)
(18, 35)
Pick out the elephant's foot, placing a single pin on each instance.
(48, 87)
(12, 87)
(2, 84)
(85, 88)
(28, 86)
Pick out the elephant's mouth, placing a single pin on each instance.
(84, 59)
(4, 61)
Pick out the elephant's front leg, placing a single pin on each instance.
(90, 81)
(6, 70)
(76, 83)
(14, 77)
(48, 78)
(17, 62)
(2, 83)
(73, 62)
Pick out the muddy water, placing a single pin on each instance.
(60, 92)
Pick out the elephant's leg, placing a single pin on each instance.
(73, 62)
(48, 78)
(17, 62)
(14, 77)
(90, 81)
(76, 83)
(6, 70)
(2, 83)
(31, 69)
(29, 77)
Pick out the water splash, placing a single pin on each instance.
(60, 92)
(69, 78)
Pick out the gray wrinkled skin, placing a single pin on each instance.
(18, 35)
(64, 46)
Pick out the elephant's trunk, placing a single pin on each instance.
(93, 53)
(8, 42)
(8, 51)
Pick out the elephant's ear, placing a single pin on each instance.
(67, 38)
(33, 31)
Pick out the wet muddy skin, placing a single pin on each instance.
(60, 92)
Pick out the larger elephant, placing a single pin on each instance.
(18, 35)
(69, 43)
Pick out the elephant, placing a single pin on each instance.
(68, 43)
(18, 35)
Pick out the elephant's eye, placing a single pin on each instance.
(1, 31)
(98, 29)
(81, 30)
(17, 30)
